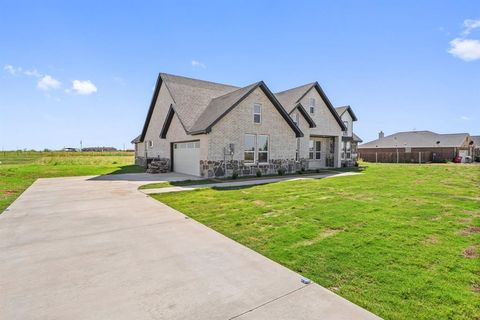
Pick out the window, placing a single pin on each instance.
(295, 118)
(262, 146)
(332, 145)
(257, 113)
(297, 149)
(345, 133)
(318, 149)
(256, 148)
(349, 154)
(249, 148)
(312, 105)
(343, 149)
(310, 149)
(150, 144)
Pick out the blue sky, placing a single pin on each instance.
(74, 71)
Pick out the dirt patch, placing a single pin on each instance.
(322, 235)
(431, 240)
(8, 192)
(465, 220)
(260, 203)
(470, 253)
(469, 230)
(476, 288)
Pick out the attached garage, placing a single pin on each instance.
(186, 157)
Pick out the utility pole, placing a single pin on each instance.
(81, 146)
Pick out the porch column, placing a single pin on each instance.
(337, 160)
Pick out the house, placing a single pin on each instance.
(210, 129)
(417, 146)
(476, 147)
(350, 140)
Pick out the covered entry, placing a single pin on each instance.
(186, 157)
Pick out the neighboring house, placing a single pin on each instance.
(417, 146)
(210, 129)
(350, 140)
(476, 147)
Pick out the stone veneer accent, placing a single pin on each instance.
(209, 168)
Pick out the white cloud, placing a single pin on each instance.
(465, 49)
(470, 25)
(12, 70)
(32, 73)
(196, 63)
(465, 118)
(47, 83)
(83, 87)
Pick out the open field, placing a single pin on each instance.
(400, 240)
(18, 170)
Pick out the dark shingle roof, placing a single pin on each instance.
(136, 140)
(218, 106)
(357, 138)
(191, 96)
(417, 139)
(341, 111)
(289, 98)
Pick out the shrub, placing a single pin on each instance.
(302, 169)
(234, 175)
(317, 170)
(259, 173)
(281, 171)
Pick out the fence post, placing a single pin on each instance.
(376, 157)
(419, 157)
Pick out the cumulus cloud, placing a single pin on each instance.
(196, 63)
(465, 118)
(47, 83)
(83, 87)
(32, 73)
(12, 70)
(465, 49)
(470, 25)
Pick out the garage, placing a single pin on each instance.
(186, 157)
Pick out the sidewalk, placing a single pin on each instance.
(233, 183)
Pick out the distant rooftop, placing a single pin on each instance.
(418, 139)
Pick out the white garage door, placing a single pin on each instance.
(186, 157)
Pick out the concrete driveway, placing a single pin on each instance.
(96, 248)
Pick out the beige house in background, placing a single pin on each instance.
(210, 129)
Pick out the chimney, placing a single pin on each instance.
(381, 135)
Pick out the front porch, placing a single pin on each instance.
(321, 152)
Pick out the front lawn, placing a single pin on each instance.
(400, 240)
(18, 170)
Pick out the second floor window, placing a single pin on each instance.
(295, 118)
(312, 105)
(150, 144)
(345, 133)
(257, 113)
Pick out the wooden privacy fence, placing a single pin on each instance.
(396, 157)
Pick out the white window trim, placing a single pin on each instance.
(249, 162)
(150, 144)
(257, 113)
(256, 151)
(313, 103)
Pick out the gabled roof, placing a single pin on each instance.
(136, 140)
(191, 97)
(418, 139)
(343, 109)
(305, 114)
(357, 138)
(290, 98)
(476, 141)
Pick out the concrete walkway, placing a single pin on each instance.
(96, 248)
(252, 182)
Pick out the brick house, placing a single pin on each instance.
(350, 140)
(417, 146)
(210, 129)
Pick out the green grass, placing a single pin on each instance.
(18, 170)
(400, 240)
(167, 184)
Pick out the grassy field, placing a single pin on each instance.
(18, 170)
(402, 241)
